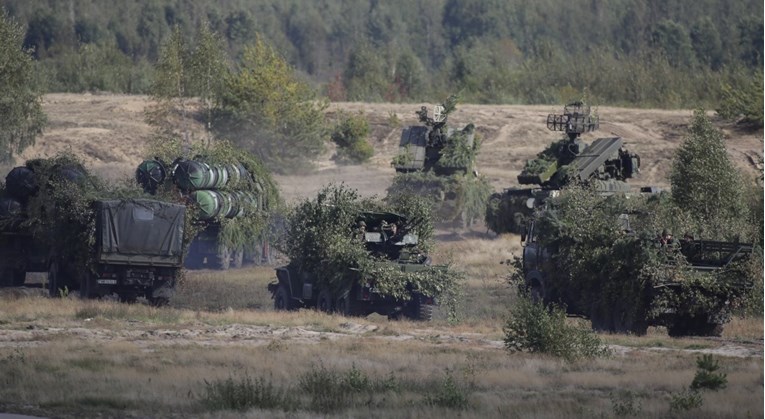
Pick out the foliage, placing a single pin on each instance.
(245, 393)
(318, 240)
(350, 135)
(450, 393)
(535, 328)
(235, 233)
(623, 275)
(457, 198)
(625, 404)
(707, 377)
(265, 108)
(20, 101)
(707, 186)
(630, 52)
(743, 103)
(685, 400)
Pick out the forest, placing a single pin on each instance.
(646, 53)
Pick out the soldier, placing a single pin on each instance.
(361, 231)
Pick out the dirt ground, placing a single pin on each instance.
(110, 134)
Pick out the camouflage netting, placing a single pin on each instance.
(622, 278)
(458, 199)
(235, 233)
(447, 175)
(320, 240)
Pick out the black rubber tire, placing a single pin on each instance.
(19, 277)
(325, 302)
(6, 278)
(86, 288)
(158, 301)
(224, 258)
(128, 298)
(345, 306)
(55, 280)
(418, 310)
(282, 299)
(238, 259)
(693, 326)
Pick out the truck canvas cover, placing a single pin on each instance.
(140, 231)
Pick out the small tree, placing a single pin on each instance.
(267, 109)
(350, 135)
(20, 108)
(706, 185)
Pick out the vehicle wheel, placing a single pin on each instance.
(238, 259)
(282, 300)
(536, 291)
(158, 301)
(344, 305)
(55, 281)
(86, 287)
(324, 301)
(7, 278)
(418, 310)
(19, 277)
(693, 326)
(224, 258)
(128, 298)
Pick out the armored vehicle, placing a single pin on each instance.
(636, 279)
(605, 165)
(390, 246)
(438, 161)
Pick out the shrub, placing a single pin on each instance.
(350, 135)
(450, 393)
(244, 393)
(685, 400)
(332, 390)
(706, 375)
(625, 404)
(532, 327)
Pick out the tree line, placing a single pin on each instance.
(674, 53)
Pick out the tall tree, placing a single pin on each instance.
(706, 185)
(20, 100)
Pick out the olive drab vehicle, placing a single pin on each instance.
(605, 165)
(438, 161)
(217, 192)
(129, 247)
(386, 238)
(550, 283)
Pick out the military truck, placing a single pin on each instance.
(138, 252)
(232, 206)
(438, 162)
(389, 242)
(690, 286)
(49, 222)
(605, 165)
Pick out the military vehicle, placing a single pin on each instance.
(129, 247)
(222, 195)
(438, 161)
(629, 300)
(387, 239)
(604, 164)
(138, 252)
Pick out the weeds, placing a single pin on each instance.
(685, 400)
(450, 394)
(625, 404)
(245, 393)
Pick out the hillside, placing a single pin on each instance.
(109, 133)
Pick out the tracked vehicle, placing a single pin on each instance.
(605, 165)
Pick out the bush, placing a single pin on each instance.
(685, 400)
(334, 390)
(532, 327)
(244, 393)
(450, 394)
(706, 375)
(350, 135)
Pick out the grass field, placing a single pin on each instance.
(219, 350)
